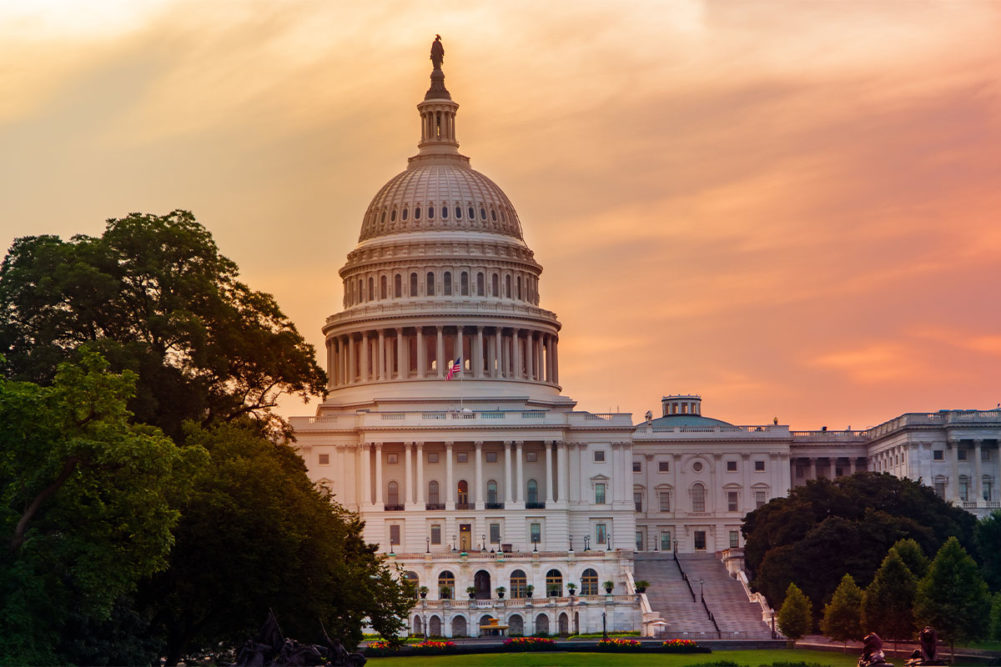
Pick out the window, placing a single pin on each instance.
(392, 459)
(495, 533)
(463, 492)
(382, 287)
(458, 211)
(639, 540)
(665, 501)
(494, 285)
(554, 583)
(392, 216)
(759, 466)
(394, 534)
(507, 286)
(961, 453)
(531, 457)
(987, 486)
(430, 284)
(938, 455)
(430, 212)
(759, 499)
(600, 533)
(462, 457)
(470, 213)
(432, 457)
(447, 286)
(638, 500)
(371, 288)
(964, 488)
(589, 582)
(731, 501)
(599, 493)
(697, 466)
(940, 489)
(665, 540)
(599, 456)
(698, 498)
(533, 491)
(324, 459)
(433, 493)
(446, 585)
(413, 284)
(535, 531)
(405, 212)
(464, 283)
(417, 213)
(436, 533)
(393, 495)
(700, 540)
(444, 211)
(397, 286)
(519, 287)
(491, 491)
(985, 455)
(483, 213)
(637, 466)
(491, 457)
(479, 284)
(731, 466)
(663, 466)
(518, 582)
(734, 539)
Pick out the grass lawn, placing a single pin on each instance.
(749, 658)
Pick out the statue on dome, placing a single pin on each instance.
(437, 52)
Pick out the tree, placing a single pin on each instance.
(952, 597)
(995, 629)
(827, 528)
(843, 612)
(888, 601)
(154, 296)
(85, 512)
(256, 534)
(795, 617)
(914, 558)
(988, 535)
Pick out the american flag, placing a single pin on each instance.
(454, 369)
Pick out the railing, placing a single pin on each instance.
(711, 617)
(393, 508)
(535, 506)
(683, 575)
(465, 506)
(495, 506)
(434, 506)
(547, 417)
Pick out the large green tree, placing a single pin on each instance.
(887, 605)
(842, 614)
(953, 597)
(85, 512)
(154, 295)
(913, 556)
(828, 528)
(989, 542)
(795, 617)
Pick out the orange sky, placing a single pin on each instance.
(791, 208)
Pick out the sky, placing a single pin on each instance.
(790, 208)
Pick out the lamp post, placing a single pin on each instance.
(571, 543)
(702, 595)
(587, 543)
(604, 626)
(483, 542)
(428, 549)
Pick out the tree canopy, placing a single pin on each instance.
(827, 528)
(154, 295)
(887, 604)
(795, 617)
(843, 613)
(989, 541)
(952, 597)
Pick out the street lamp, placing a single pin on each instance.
(428, 540)
(702, 595)
(604, 627)
(587, 543)
(571, 543)
(483, 542)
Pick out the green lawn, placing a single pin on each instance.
(749, 658)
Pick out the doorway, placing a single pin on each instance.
(481, 581)
(700, 540)
(465, 537)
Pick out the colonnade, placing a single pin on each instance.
(422, 352)
(828, 464)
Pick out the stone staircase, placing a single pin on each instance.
(669, 595)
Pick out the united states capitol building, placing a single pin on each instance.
(514, 508)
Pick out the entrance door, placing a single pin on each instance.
(482, 583)
(466, 537)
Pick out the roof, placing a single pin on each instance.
(669, 422)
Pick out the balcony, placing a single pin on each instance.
(495, 506)
(465, 506)
(434, 506)
(535, 506)
(394, 508)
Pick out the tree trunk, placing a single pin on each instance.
(22, 525)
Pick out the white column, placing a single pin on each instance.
(381, 359)
(549, 471)
(616, 473)
(508, 499)
(954, 479)
(378, 475)
(561, 471)
(501, 355)
(478, 356)
(364, 349)
(399, 354)
(492, 355)
(449, 483)
(458, 346)
(529, 370)
(366, 475)
(519, 460)
(422, 361)
(408, 481)
(556, 362)
(813, 468)
(978, 484)
(517, 354)
(574, 494)
(351, 359)
(420, 475)
(440, 352)
(479, 475)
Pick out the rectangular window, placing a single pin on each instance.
(759, 466)
(491, 457)
(663, 466)
(394, 534)
(599, 494)
(734, 539)
(665, 501)
(531, 457)
(638, 500)
(637, 466)
(964, 489)
(535, 530)
(700, 540)
(495, 533)
(432, 457)
(731, 501)
(731, 466)
(462, 457)
(639, 540)
(940, 489)
(987, 489)
(600, 534)
(392, 459)
(324, 459)
(961, 454)
(599, 456)
(759, 499)
(665, 540)
(938, 455)
(985, 455)
(435, 533)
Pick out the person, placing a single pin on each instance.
(872, 651)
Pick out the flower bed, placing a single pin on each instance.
(619, 644)
(682, 646)
(431, 647)
(529, 644)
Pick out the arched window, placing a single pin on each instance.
(554, 584)
(430, 284)
(433, 494)
(493, 215)
(444, 212)
(464, 283)
(507, 286)
(430, 212)
(361, 290)
(518, 583)
(491, 491)
(589, 582)
(533, 491)
(463, 492)
(446, 585)
(495, 284)
(383, 218)
(392, 216)
(398, 286)
(698, 498)
(519, 287)
(479, 284)
(458, 212)
(382, 287)
(393, 495)
(471, 213)
(413, 284)
(447, 284)
(412, 581)
(417, 212)
(483, 213)
(404, 216)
